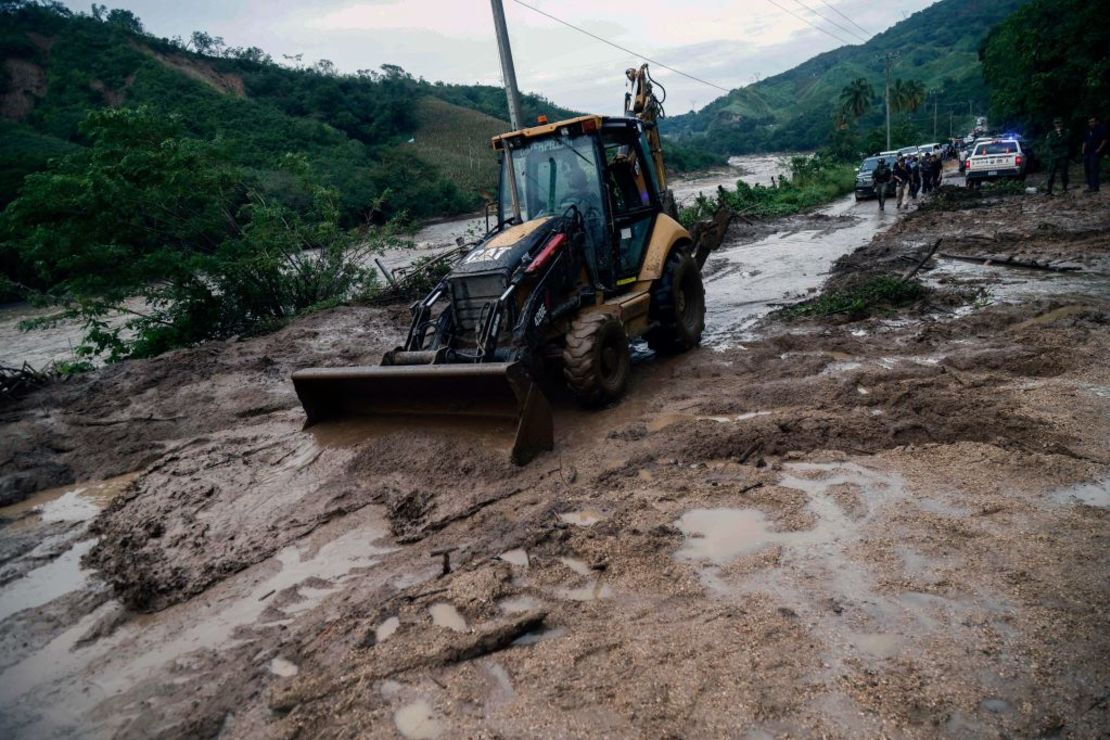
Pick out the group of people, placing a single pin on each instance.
(910, 175)
(1058, 153)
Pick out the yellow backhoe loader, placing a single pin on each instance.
(586, 255)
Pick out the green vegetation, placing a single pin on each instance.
(388, 146)
(881, 293)
(154, 224)
(354, 129)
(1051, 58)
(793, 110)
(458, 139)
(814, 180)
(684, 156)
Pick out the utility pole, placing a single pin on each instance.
(887, 60)
(508, 73)
(935, 103)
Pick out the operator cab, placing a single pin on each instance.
(600, 168)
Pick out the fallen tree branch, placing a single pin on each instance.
(929, 256)
(128, 420)
(1011, 262)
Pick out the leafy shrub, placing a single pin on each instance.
(859, 301)
(814, 180)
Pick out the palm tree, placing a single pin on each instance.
(907, 95)
(856, 98)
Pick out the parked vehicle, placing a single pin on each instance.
(965, 153)
(865, 176)
(996, 159)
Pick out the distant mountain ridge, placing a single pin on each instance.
(938, 46)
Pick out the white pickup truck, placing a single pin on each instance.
(995, 159)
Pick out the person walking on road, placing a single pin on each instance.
(901, 177)
(915, 177)
(1057, 146)
(1094, 144)
(881, 178)
(929, 173)
(937, 172)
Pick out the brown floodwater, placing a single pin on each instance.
(77, 502)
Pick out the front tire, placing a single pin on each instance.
(677, 306)
(596, 361)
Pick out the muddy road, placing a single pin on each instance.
(895, 526)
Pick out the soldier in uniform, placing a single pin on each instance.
(902, 182)
(881, 180)
(1057, 147)
(1094, 144)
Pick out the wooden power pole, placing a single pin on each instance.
(887, 60)
(508, 72)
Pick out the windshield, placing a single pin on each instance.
(997, 147)
(552, 174)
(869, 164)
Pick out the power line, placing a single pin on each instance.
(806, 21)
(622, 48)
(831, 22)
(833, 9)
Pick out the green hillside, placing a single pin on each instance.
(938, 46)
(354, 129)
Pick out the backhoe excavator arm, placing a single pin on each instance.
(640, 102)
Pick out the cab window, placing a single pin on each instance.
(630, 187)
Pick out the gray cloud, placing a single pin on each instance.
(728, 42)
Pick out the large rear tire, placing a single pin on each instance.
(677, 306)
(596, 362)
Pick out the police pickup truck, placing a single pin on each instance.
(995, 159)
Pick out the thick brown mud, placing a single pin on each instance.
(891, 527)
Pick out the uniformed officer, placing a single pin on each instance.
(881, 179)
(1094, 144)
(1057, 147)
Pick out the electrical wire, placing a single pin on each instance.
(622, 48)
(842, 15)
(805, 20)
(831, 22)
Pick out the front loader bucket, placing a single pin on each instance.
(493, 389)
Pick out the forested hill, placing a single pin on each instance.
(379, 136)
(937, 46)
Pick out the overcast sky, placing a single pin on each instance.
(727, 42)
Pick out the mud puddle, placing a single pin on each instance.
(1015, 284)
(73, 503)
(56, 519)
(1089, 494)
(417, 721)
(447, 616)
(721, 535)
(60, 576)
(152, 648)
